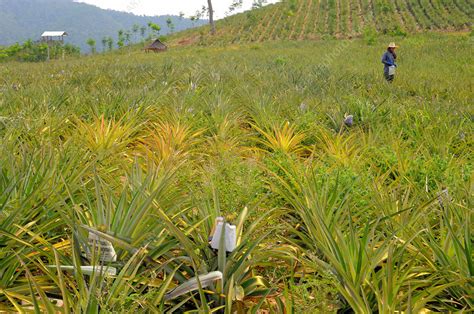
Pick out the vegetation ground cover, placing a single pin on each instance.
(146, 150)
(323, 19)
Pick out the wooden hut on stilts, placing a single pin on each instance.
(53, 38)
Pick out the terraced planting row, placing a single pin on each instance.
(313, 19)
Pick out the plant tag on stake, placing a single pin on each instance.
(89, 270)
(103, 248)
(230, 235)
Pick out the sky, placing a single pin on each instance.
(162, 7)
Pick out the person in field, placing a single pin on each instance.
(388, 59)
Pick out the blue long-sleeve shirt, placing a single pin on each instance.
(388, 59)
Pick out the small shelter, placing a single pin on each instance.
(51, 37)
(156, 46)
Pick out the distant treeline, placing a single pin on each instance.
(137, 34)
(37, 51)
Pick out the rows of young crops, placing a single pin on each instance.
(145, 151)
(310, 19)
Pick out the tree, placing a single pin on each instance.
(135, 29)
(91, 43)
(236, 4)
(210, 14)
(193, 19)
(170, 25)
(155, 28)
(104, 43)
(121, 38)
(211, 17)
(142, 31)
(110, 43)
(128, 37)
(258, 3)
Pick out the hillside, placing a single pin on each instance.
(27, 19)
(143, 152)
(314, 19)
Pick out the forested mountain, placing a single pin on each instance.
(27, 19)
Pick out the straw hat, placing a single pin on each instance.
(392, 45)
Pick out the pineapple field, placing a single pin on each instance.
(322, 19)
(344, 194)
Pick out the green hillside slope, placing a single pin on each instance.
(314, 19)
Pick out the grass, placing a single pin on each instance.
(146, 150)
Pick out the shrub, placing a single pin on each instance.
(397, 31)
(370, 35)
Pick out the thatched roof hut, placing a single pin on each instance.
(156, 46)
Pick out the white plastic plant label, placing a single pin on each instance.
(103, 249)
(230, 235)
(216, 237)
(89, 270)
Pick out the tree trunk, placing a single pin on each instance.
(211, 17)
